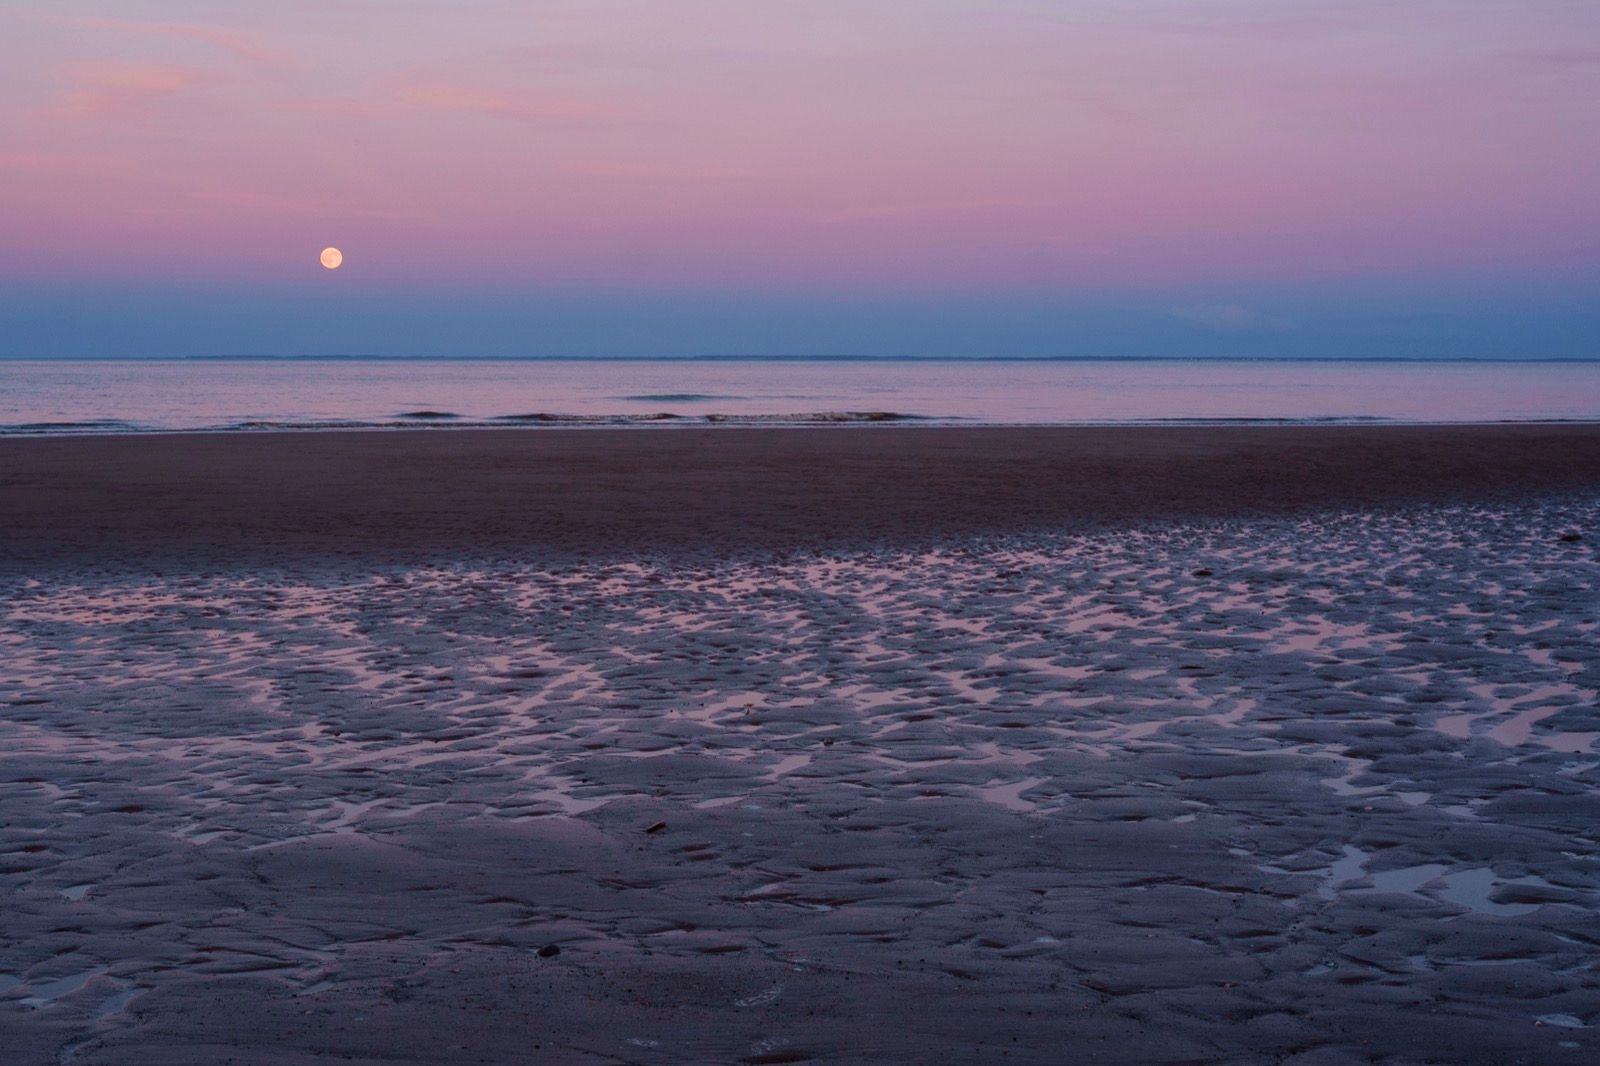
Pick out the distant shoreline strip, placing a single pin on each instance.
(336, 357)
(444, 420)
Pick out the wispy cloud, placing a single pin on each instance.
(917, 209)
(365, 109)
(244, 45)
(495, 103)
(266, 203)
(413, 97)
(57, 163)
(1574, 58)
(664, 171)
(125, 91)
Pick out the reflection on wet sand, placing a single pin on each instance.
(1308, 769)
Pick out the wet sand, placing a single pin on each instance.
(1196, 761)
(416, 496)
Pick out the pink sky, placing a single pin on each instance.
(833, 143)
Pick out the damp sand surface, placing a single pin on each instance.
(1314, 787)
(187, 502)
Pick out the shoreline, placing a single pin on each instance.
(669, 421)
(793, 358)
(410, 496)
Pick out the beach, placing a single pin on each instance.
(187, 501)
(880, 744)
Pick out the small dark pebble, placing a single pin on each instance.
(549, 951)
(655, 828)
(1571, 538)
(1203, 572)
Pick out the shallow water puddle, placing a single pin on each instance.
(567, 802)
(1342, 871)
(1517, 730)
(1467, 888)
(1009, 795)
(1472, 888)
(787, 765)
(1519, 718)
(1570, 743)
(46, 992)
(1406, 879)
(994, 755)
(1353, 768)
(341, 817)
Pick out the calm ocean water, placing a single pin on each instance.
(124, 396)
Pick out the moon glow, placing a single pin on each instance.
(331, 258)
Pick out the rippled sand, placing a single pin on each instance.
(1307, 790)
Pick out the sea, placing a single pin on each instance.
(39, 397)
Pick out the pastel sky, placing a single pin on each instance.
(671, 177)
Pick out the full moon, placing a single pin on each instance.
(331, 258)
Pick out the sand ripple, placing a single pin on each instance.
(1271, 783)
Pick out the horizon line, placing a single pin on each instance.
(789, 358)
